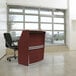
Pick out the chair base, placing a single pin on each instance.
(9, 58)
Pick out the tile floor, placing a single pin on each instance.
(54, 64)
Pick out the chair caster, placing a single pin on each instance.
(8, 59)
(15, 57)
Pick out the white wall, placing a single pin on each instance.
(2, 26)
(72, 5)
(62, 4)
(72, 24)
(67, 26)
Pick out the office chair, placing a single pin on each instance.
(10, 44)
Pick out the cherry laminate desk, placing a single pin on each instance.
(31, 47)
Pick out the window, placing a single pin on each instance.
(46, 19)
(59, 27)
(15, 17)
(15, 10)
(31, 11)
(46, 26)
(48, 38)
(52, 21)
(58, 20)
(58, 37)
(30, 18)
(59, 13)
(16, 33)
(45, 12)
(17, 26)
(31, 26)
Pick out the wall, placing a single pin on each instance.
(40, 3)
(2, 26)
(72, 24)
(67, 26)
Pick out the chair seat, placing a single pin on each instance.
(14, 47)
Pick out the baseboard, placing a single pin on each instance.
(2, 56)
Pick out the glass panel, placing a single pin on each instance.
(46, 19)
(59, 37)
(15, 10)
(31, 26)
(15, 17)
(58, 27)
(17, 26)
(31, 11)
(48, 38)
(58, 13)
(45, 12)
(31, 18)
(46, 26)
(16, 33)
(58, 20)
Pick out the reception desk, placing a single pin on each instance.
(31, 47)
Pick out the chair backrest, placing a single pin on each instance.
(8, 39)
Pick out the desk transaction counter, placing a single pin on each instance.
(31, 47)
